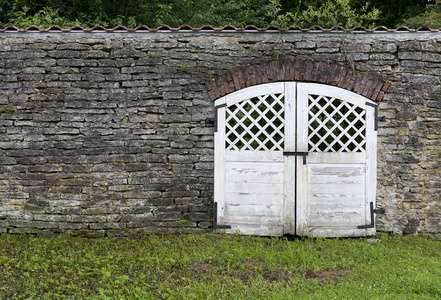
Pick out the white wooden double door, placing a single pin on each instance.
(295, 158)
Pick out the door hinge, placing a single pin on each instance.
(377, 118)
(304, 154)
(376, 211)
(215, 225)
(215, 119)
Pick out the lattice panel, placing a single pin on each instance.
(335, 125)
(256, 124)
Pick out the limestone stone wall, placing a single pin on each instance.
(104, 133)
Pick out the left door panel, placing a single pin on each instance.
(249, 162)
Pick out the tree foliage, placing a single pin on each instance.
(261, 13)
(329, 14)
(431, 17)
(131, 13)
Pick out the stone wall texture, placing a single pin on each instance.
(105, 134)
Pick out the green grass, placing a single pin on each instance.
(217, 266)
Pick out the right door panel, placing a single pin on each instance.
(336, 182)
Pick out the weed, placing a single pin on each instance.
(6, 110)
(182, 69)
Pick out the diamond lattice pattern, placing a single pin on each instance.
(256, 124)
(335, 125)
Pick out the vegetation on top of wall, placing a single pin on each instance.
(431, 17)
(329, 14)
(261, 13)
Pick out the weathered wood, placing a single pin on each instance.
(255, 229)
(246, 175)
(338, 192)
(269, 210)
(289, 224)
(337, 232)
(253, 198)
(253, 219)
(254, 156)
(326, 193)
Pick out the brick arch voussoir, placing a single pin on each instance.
(297, 70)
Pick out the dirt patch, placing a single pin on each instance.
(202, 267)
(252, 264)
(329, 275)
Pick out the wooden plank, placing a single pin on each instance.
(302, 169)
(254, 91)
(269, 210)
(253, 229)
(336, 157)
(341, 170)
(302, 201)
(339, 93)
(337, 208)
(337, 199)
(339, 179)
(303, 90)
(289, 167)
(257, 188)
(219, 165)
(331, 219)
(290, 116)
(253, 176)
(257, 220)
(255, 166)
(371, 164)
(289, 197)
(338, 232)
(253, 198)
(253, 156)
(337, 189)
(337, 221)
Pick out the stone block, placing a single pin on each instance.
(121, 232)
(87, 233)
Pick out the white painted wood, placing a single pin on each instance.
(332, 91)
(253, 162)
(289, 172)
(254, 156)
(336, 232)
(337, 196)
(255, 229)
(219, 164)
(336, 189)
(302, 117)
(269, 210)
(256, 124)
(301, 168)
(256, 187)
(336, 157)
(290, 116)
(253, 199)
(261, 191)
(249, 219)
(254, 91)
(371, 163)
(247, 175)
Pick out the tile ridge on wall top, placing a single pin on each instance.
(226, 28)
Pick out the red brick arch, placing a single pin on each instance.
(297, 70)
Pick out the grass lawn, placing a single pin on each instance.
(218, 266)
